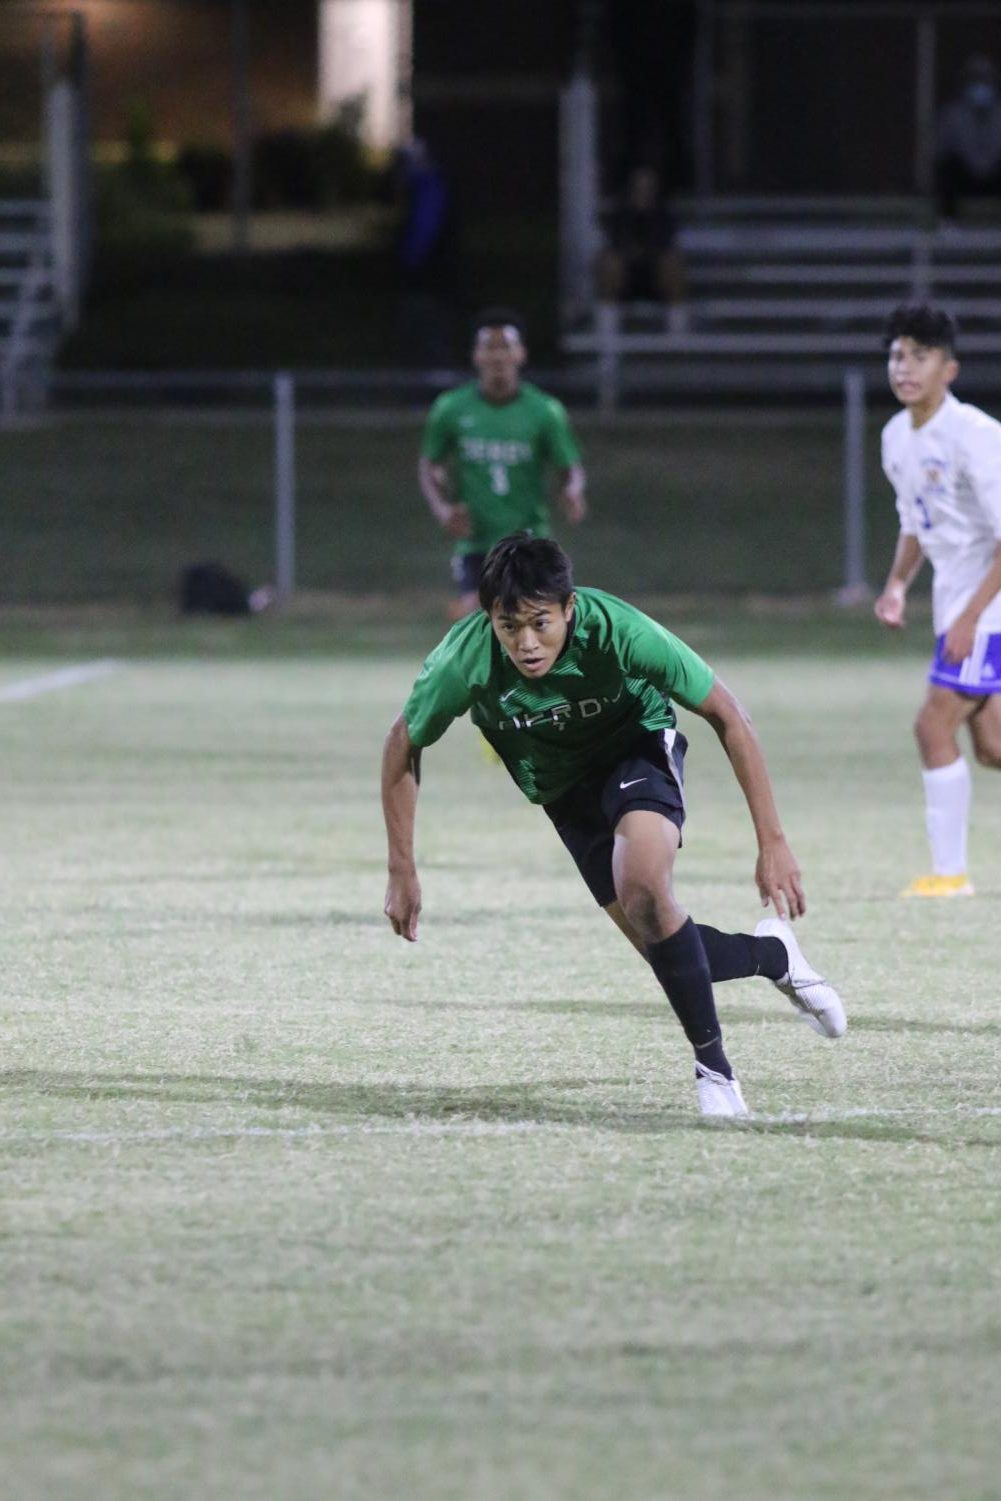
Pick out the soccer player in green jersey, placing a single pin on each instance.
(486, 449)
(573, 688)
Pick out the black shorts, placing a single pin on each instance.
(466, 570)
(650, 775)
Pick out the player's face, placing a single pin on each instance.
(498, 355)
(919, 375)
(533, 635)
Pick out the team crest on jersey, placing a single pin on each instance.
(934, 475)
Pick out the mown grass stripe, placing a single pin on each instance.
(457, 1128)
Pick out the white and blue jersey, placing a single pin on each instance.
(946, 476)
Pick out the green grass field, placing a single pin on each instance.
(293, 1210)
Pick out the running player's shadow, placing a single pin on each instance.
(525, 1104)
(353, 1102)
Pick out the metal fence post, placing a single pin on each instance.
(64, 199)
(580, 233)
(854, 589)
(924, 103)
(284, 396)
(704, 98)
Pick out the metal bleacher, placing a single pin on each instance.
(30, 321)
(781, 305)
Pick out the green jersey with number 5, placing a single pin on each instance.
(499, 452)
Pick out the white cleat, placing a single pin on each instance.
(817, 1002)
(719, 1095)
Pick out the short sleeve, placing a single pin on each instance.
(439, 696)
(905, 506)
(648, 650)
(439, 431)
(982, 461)
(560, 444)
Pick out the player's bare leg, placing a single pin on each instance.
(985, 731)
(642, 868)
(946, 777)
(625, 927)
(937, 726)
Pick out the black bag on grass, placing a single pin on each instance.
(210, 589)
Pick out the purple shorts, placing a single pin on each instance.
(466, 570)
(977, 674)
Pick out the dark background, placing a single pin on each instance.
(804, 106)
(830, 104)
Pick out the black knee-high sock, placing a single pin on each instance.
(736, 956)
(681, 966)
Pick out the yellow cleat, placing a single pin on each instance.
(939, 886)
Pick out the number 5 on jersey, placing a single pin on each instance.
(499, 482)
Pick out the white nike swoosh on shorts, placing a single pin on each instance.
(623, 785)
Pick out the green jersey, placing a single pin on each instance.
(614, 679)
(500, 452)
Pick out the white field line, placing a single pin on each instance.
(63, 677)
(470, 1127)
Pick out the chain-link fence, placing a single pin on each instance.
(108, 500)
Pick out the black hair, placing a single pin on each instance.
(927, 325)
(499, 317)
(525, 567)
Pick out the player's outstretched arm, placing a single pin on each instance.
(907, 559)
(776, 872)
(401, 769)
(433, 480)
(573, 499)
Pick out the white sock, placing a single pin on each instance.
(947, 814)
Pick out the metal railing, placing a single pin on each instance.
(27, 347)
(294, 399)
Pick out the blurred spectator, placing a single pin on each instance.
(969, 139)
(640, 261)
(427, 254)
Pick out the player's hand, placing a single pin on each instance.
(778, 878)
(889, 607)
(574, 506)
(403, 904)
(958, 641)
(456, 522)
